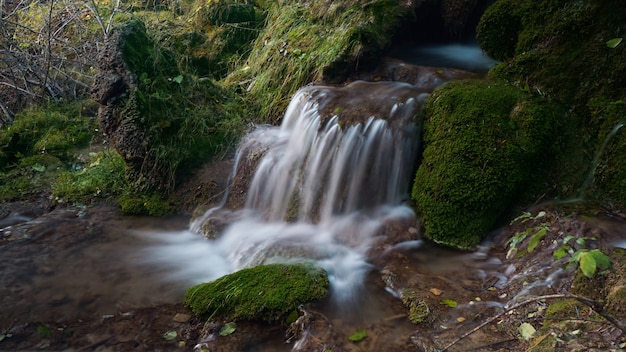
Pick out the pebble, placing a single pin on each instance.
(181, 317)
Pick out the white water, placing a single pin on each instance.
(321, 190)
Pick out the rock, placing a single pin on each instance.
(181, 317)
(266, 292)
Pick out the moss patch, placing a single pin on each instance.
(483, 142)
(40, 144)
(101, 175)
(267, 292)
(418, 309)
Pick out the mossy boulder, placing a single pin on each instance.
(484, 141)
(572, 52)
(267, 292)
(161, 119)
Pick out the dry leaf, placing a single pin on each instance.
(436, 291)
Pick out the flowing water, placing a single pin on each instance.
(326, 186)
(463, 56)
(321, 191)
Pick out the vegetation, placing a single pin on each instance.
(304, 42)
(572, 247)
(43, 148)
(570, 51)
(483, 142)
(267, 292)
(418, 309)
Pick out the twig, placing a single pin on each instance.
(592, 304)
(7, 113)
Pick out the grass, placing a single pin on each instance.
(308, 42)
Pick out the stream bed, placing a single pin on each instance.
(78, 264)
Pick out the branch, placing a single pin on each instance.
(592, 304)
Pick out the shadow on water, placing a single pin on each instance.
(72, 265)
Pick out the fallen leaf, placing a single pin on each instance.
(436, 291)
(170, 335)
(228, 328)
(460, 319)
(181, 317)
(358, 335)
(613, 43)
(526, 331)
(448, 302)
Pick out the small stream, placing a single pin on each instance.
(80, 265)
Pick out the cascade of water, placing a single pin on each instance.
(326, 180)
(596, 160)
(313, 170)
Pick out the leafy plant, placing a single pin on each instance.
(589, 261)
(358, 335)
(536, 233)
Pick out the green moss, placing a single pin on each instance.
(101, 176)
(142, 203)
(306, 42)
(54, 129)
(610, 170)
(418, 309)
(616, 301)
(41, 143)
(498, 30)
(483, 142)
(267, 292)
(565, 309)
(559, 48)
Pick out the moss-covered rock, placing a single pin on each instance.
(267, 292)
(570, 51)
(159, 118)
(483, 141)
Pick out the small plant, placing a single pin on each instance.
(589, 261)
(536, 233)
(358, 335)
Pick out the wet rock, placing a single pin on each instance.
(427, 78)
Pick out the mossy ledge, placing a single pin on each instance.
(267, 292)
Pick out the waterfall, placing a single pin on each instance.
(325, 181)
(315, 169)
